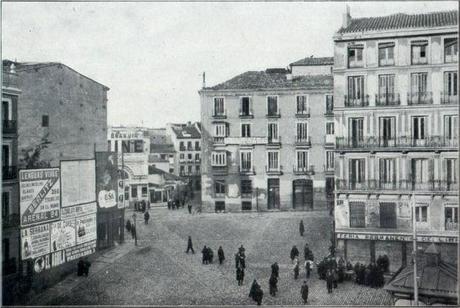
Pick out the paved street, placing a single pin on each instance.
(159, 272)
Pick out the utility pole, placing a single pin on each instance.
(414, 252)
(135, 230)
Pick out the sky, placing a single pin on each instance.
(152, 55)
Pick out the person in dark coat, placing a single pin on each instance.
(133, 231)
(304, 292)
(335, 278)
(241, 250)
(307, 253)
(220, 254)
(275, 269)
(128, 225)
(86, 267)
(205, 255)
(237, 260)
(189, 206)
(307, 268)
(341, 269)
(272, 282)
(252, 291)
(190, 245)
(296, 268)
(258, 296)
(146, 217)
(169, 204)
(242, 259)
(80, 267)
(294, 253)
(210, 255)
(329, 280)
(240, 275)
(301, 228)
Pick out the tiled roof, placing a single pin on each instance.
(263, 80)
(401, 21)
(161, 148)
(186, 132)
(311, 61)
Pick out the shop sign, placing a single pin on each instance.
(396, 237)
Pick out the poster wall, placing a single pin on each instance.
(106, 179)
(86, 228)
(78, 182)
(35, 241)
(39, 196)
(63, 234)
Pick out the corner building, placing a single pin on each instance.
(396, 112)
(263, 132)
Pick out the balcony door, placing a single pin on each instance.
(419, 130)
(356, 172)
(355, 90)
(419, 87)
(5, 155)
(386, 89)
(302, 194)
(387, 131)
(356, 131)
(421, 171)
(272, 132)
(5, 110)
(387, 173)
(450, 83)
(273, 194)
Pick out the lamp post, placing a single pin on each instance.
(135, 229)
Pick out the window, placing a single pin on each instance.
(144, 191)
(387, 215)
(302, 104)
(219, 107)
(419, 83)
(197, 146)
(418, 129)
(387, 172)
(189, 146)
(219, 159)
(45, 121)
(182, 146)
(272, 105)
(245, 130)
(329, 128)
(420, 172)
(182, 170)
(219, 188)
(421, 212)
(329, 103)
(386, 54)
(163, 156)
(6, 155)
(450, 127)
(450, 84)
(302, 160)
(246, 205)
(356, 172)
(197, 169)
(355, 90)
(190, 169)
(197, 157)
(419, 52)
(451, 50)
(5, 204)
(451, 217)
(273, 160)
(272, 132)
(6, 110)
(302, 132)
(357, 215)
(190, 157)
(329, 160)
(134, 191)
(356, 131)
(246, 160)
(451, 171)
(182, 156)
(245, 109)
(386, 90)
(220, 130)
(246, 188)
(387, 130)
(138, 146)
(355, 56)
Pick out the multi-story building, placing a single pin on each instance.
(187, 143)
(58, 114)
(396, 114)
(162, 150)
(264, 132)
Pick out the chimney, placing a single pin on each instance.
(204, 80)
(346, 18)
(189, 123)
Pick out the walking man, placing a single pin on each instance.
(275, 269)
(296, 268)
(205, 255)
(189, 206)
(329, 278)
(294, 253)
(304, 291)
(272, 282)
(307, 268)
(146, 217)
(301, 228)
(239, 275)
(220, 254)
(190, 245)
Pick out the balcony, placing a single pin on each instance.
(246, 114)
(189, 173)
(9, 172)
(197, 148)
(302, 141)
(404, 142)
(219, 115)
(10, 221)
(182, 149)
(9, 266)
(304, 170)
(246, 171)
(219, 140)
(274, 114)
(356, 102)
(246, 140)
(274, 171)
(451, 226)
(329, 140)
(401, 185)
(303, 113)
(355, 63)
(10, 80)
(9, 127)
(416, 61)
(449, 99)
(419, 98)
(219, 170)
(274, 141)
(391, 99)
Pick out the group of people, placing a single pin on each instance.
(370, 275)
(83, 267)
(141, 206)
(175, 204)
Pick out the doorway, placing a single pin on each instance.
(302, 194)
(273, 194)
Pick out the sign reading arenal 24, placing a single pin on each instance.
(40, 194)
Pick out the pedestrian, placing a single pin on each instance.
(239, 275)
(128, 225)
(329, 280)
(210, 255)
(190, 245)
(294, 253)
(87, 265)
(341, 269)
(307, 253)
(205, 255)
(169, 203)
(335, 278)
(146, 217)
(252, 291)
(307, 268)
(259, 295)
(275, 269)
(189, 206)
(242, 259)
(220, 254)
(301, 228)
(272, 282)
(133, 231)
(304, 292)
(237, 260)
(296, 268)
(80, 267)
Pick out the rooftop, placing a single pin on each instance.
(312, 61)
(402, 21)
(186, 132)
(273, 79)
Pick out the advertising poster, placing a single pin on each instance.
(35, 241)
(80, 251)
(121, 197)
(86, 228)
(78, 182)
(78, 210)
(106, 179)
(63, 234)
(39, 191)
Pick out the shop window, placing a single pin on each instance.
(246, 189)
(220, 206)
(219, 188)
(246, 205)
(144, 191)
(134, 191)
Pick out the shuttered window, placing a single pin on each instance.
(357, 215)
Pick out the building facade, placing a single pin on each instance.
(264, 134)
(396, 114)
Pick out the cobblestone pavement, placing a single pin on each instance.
(159, 272)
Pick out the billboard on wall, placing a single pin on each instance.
(35, 241)
(39, 191)
(78, 182)
(106, 179)
(86, 228)
(63, 234)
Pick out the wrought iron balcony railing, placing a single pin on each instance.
(419, 98)
(447, 98)
(388, 99)
(404, 185)
(248, 113)
(274, 114)
(304, 170)
(399, 142)
(302, 140)
(274, 170)
(249, 170)
(220, 114)
(362, 101)
(303, 113)
(274, 141)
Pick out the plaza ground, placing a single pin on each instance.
(158, 272)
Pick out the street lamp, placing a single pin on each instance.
(135, 229)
